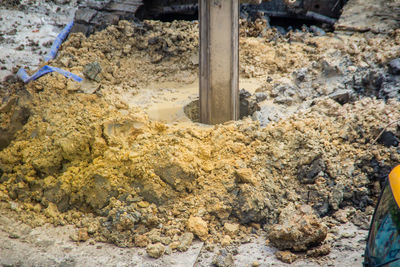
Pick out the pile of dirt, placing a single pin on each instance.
(85, 157)
(145, 180)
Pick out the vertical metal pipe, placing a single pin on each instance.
(219, 60)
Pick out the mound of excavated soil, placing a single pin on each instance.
(83, 156)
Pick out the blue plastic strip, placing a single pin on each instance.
(46, 69)
(52, 54)
(58, 41)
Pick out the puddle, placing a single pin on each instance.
(165, 102)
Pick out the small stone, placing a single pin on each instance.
(51, 211)
(286, 256)
(13, 236)
(155, 236)
(255, 264)
(307, 174)
(73, 86)
(174, 245)
(168, 250)
(143, 204)
(185, 241)
(155, 250)
(394, 66)
(361, 220)
(83, 235)
(127, 48)
(341, 216)
(165, 240)
(317, 31)
(198, 226)
(261, 96)
(297, 230)
(231, 229)
(141, 241)
(223, 259)
(319, 251)
(245, 175)
(226, 241)
(93, 227)
(342, 96)
(65, 61)
(80, 235)
(388, 139)
(91, 70)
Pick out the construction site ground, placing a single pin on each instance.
(113, 172)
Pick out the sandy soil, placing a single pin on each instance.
(116, 157)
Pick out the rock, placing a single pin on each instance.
(223, 259)
(176, 175)
(286, 256)
(226, 240)
(342, 96)
(73, 86)
(361, 220)
(192, 110)
(198, 226)
(336, 196)
(330, 69)
(388, 139)
(245, 175)
(185, 241)
(261, 96)
(55, 194)
(168, 250)
(319, 251)
(317, 31)
(166, 240)
(252, 204)
(341, 216)
(97, 192)
(298, 229)
(231, 229)
(248, 104)
(155, 250)
(68, 262)
(308, 173)
(394, 66)
(93, 227)
(300, 75)
(373, 82)
(92, 70)
(81, 235)
(284, 94)
(143, 204)
(51, 211)
(155, 236)
(174, 245)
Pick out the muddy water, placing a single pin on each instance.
(164, 102)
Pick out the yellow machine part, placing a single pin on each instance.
(394, 179)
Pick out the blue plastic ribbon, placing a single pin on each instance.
(23, 75)
(58, 41)
(46, 69)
